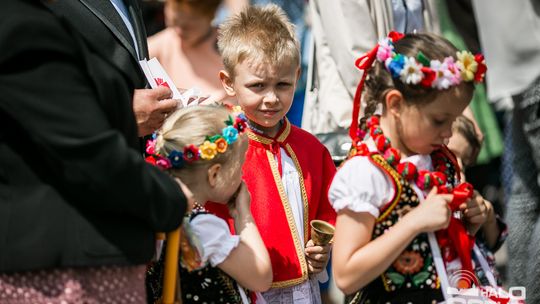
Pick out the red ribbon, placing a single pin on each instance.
(455, 239)
(364, 63)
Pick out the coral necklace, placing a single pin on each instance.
(424, 179)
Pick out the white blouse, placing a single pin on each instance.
(361, 186)
(215, 237)
(216, 241)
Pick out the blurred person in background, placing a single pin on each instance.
(511, 44)
(187, 47)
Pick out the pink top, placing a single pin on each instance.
(188, 67)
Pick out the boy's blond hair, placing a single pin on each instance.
(262, 33)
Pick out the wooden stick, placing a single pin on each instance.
(171, 277)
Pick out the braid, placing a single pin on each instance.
(378, 83)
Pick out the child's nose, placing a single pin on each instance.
(447, 133)
(270, 97)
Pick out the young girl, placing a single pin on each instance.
(387, 202)
(205, 147)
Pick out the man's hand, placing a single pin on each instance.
(151, 107)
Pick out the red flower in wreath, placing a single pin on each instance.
(429, 76)
(481, 69)
(240, 124)
(191, 153)
(151, 160)
(409, 262)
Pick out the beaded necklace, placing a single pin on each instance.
(424, 179)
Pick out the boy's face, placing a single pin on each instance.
(264, 91)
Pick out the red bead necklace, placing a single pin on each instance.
(424, 179)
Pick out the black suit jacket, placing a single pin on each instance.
(74, 190)
(107, 35)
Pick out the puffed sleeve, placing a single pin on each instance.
(360, 186)
(215, 238)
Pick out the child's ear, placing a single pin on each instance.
(213, 172)
(227, 83)
(394, 102)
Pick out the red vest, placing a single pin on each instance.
(269, 203)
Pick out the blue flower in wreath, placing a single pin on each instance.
(396, 65)
(176, 158)
(230, 134)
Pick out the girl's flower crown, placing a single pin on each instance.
(417, 70)
(219, 143)
(431, 73)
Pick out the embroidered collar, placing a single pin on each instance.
(280, 137)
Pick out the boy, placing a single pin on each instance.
(287, 170)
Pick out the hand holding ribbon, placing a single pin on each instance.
(455, 240)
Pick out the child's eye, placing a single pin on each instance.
(439, 122)
(284, 84)
(256, 85)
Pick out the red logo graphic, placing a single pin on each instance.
(161, 82)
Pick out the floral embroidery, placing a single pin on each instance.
(409, 262)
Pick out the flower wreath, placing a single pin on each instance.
(418, 70)
(431, 73)
(212, 145)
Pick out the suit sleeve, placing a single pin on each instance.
(52, 110)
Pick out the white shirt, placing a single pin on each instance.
(408, 15)
(307, 292)
(361, 186)
(122, 10)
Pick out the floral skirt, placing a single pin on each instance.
(89, 285)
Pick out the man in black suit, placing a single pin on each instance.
(75, 192)
(114, 30)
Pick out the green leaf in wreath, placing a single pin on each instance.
(396, 278)
(420, 278)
